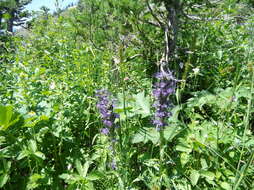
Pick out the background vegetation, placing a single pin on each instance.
(50, 127)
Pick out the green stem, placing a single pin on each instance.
(162, 155)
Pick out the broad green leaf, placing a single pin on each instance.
(79, 167)
(171, 131)
(85, 168)
(82, 170)
(184, 146)
(7, 165)
(139, 137)
(142, 104)
(3, 179)
(153, 135)
(6, 113)
(90, 186)
(146, 134)
(194, 176)
(225, 186)
(32, 145)
(207, 174)
(134, 104)
(203, 163)
(184, 158)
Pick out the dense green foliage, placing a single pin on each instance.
(50, 127)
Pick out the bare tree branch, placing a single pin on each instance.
(154, 16)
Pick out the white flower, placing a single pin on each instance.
(196, 71)
(52, 85)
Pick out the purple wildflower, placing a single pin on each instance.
(105, 106)
(105, 131)
(162, 90)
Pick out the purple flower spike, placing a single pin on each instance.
(108, 123)
(162, 90)
(105, 131)
(105, 107)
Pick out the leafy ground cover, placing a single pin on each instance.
(86, 102)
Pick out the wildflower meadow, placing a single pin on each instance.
(127, 95)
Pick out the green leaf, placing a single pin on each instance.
(145, 134)
(142, 104)
(65, 176)
(7, 117)
(184, 158)
(40, 155)
(208, 175)
(32, 145)
(23, 154)
(225, 186)
(7, 165)
(183, 146)
(79, 167)
(134, 104)
(194, 176)
(33, 181)
(153, 135)
(203, 163)
(95, 175)
(82, 170)
(139, 137)
(171, 131)
(3, 179)
(85, 168)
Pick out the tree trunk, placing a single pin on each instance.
(171, 30)
(10, 22)
(1, 16)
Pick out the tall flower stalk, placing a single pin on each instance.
(163, 88)
(105, 106)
